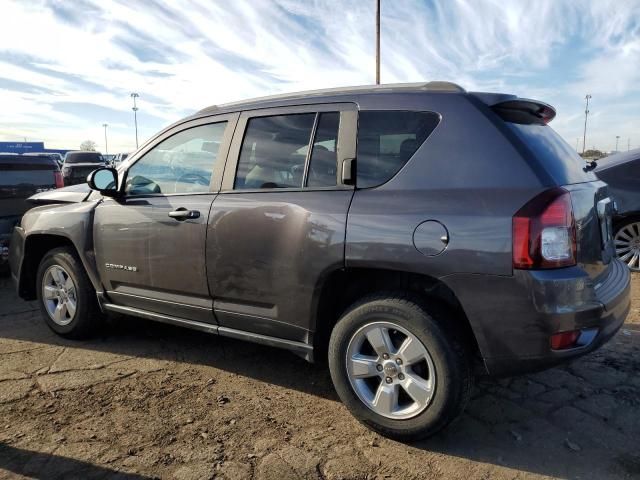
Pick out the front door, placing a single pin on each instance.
(278, 225)
(150, 244)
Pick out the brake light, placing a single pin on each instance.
(57, 176)
(544, 234)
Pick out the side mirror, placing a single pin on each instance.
(104, 180)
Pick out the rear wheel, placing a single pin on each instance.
(397, 369)
(627, 242)
(67, 299)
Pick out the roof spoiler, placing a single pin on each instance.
(518, 110)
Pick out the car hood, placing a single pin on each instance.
(71, 194)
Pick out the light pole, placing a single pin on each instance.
(135, 115)
(628, 144)
(617, 138)
(577, 143)
(377, 42)
(586, 114)
(106, 145)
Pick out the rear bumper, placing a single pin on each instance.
(513, 318)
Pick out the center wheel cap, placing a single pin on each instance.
(390, 369)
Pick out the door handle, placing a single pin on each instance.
(184, 214)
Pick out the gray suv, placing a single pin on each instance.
(413, 235)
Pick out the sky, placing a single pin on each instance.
(68, 67)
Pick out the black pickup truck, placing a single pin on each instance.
(77, 165)
(20, 177)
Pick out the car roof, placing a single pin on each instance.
(27, 160)
(332, 94)
(618, 159)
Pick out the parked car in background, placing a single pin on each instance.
(56, 157)
(20, 177)
(108, 158)
(410, 234)
(77, 165)
(622, 172)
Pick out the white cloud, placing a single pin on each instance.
(183, 55)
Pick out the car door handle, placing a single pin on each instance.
(184, 214)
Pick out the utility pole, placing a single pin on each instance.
(586, 114)
(628, 144)
(577, 143)
(377, 42)
(135, 115)
(106, 145)
(617, 138)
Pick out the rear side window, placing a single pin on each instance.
(322, 166)
(555, 155)
(274, 151)
(386, 141)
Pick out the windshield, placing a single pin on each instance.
(84, 157)
(554, 154)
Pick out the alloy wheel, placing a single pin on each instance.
(59, 295)
(390, 370)
(627, 242)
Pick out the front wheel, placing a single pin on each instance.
(397, 369)
(67, 299)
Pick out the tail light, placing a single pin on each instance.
(58, 179)
(544, 234)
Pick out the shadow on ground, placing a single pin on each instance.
(578, 421)
(46, 465)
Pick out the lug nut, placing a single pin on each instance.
(401, 376)
(385, 356)
(389, 379)
(379, 367)
(399, 361)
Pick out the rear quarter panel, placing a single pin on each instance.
(624, 185)
(466, 175)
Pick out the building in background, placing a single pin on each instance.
(29, 147)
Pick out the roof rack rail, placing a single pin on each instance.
(439, 86)
(433, 86)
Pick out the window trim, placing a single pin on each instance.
(346, 143)
(219, 165)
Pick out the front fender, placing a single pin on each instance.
(43, 227)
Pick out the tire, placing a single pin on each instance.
(445, 368)
(627, 243)
(81, 321)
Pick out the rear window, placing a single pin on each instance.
(555, 155)
(387, 140)
(84, 157)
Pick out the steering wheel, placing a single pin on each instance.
(194, 178)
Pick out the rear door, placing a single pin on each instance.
(150, 245)
(277, 228)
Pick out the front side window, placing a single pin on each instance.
(183, 163)
(273, 153)
(386, 141)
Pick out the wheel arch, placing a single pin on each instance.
(341, 288)
(35, 248)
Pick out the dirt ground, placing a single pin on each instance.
(151, 401)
